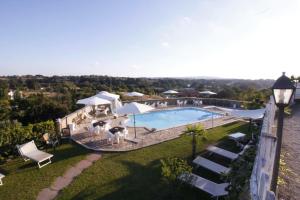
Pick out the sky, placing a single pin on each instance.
(250, 39)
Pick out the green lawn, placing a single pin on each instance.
(129, 175)
(24, 180)
(136, 174)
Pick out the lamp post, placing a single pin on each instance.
(283, 90)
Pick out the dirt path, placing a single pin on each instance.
(65, 180)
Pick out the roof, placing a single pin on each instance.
(249, 114)
(208, 92)
(107, 96)
(170, 92)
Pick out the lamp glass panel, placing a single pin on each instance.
(282, 96)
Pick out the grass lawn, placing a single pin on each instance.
(130, 175)
(136, 174)
(24, 180)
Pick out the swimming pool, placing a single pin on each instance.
(163, 119)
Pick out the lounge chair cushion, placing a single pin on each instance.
(210, 165)
(223, 152)
(38, 156)
(208, 186)
(30, 151)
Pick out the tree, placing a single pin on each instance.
(196, 131)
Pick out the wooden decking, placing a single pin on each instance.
(144, 136)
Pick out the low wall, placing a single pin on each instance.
(70, 117)
(260, 182)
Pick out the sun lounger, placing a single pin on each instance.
(208, 186)
(210, 165)
(1, 177)
(29, 151)
(223, 152)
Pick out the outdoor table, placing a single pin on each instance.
(99, 123)
(237, 137)
(116, 129)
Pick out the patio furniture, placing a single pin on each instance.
(97, 130)
(237, 137)
(179, 103)
(72, 127)
(52, 141)
(134, 108)
(116, 133)
(163, 105)
(210, 165)
(99, 123)
(102, 111)
(223, 152)
(88, 116)
(29, 151)
(1, 177)
(214, 189)
(184, 102)
(153, 105)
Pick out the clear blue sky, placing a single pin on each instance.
(238, 39)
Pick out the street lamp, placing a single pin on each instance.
(283, 90)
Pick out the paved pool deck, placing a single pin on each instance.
(144, 138)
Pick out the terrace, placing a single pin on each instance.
(144, 136)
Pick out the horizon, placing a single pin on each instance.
(150, 77)
(158, 39)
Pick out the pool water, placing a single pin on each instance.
(164, 119)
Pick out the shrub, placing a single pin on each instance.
(172, 168)
(13, 133)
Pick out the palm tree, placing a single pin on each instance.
(196, 131)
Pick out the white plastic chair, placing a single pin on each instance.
(1, 177)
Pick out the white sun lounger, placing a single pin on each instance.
(210, 165)
(1, 177)
(208, 186)
(29, 151)
(223, 152)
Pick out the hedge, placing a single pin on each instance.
(13, 133)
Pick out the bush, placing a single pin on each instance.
(172, 168)
(13, 133)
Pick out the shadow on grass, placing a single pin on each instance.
(62, 152)
(142, 182)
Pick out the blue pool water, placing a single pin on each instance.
(164, 119)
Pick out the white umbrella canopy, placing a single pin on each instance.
(170, 92)
(134, 94)
(114, 98)
(134, 108)
(107, 96)
(93, 101)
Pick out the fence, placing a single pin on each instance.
(261, 177)
(205, 101)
